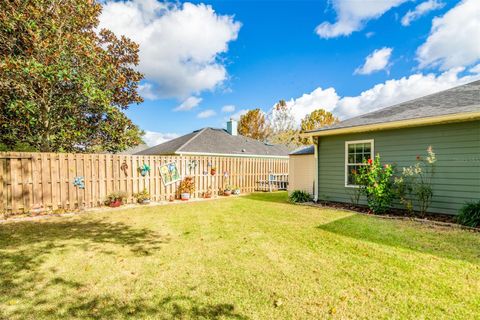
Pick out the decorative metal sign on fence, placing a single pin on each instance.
(169, 173)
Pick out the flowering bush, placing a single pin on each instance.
(376, 184)
(415, 183)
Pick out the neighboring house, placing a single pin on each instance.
(218, 142)
(449, 121)
(134, 150)
(301, 170)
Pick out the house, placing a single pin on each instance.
(218, 142)
(449, 121)
(301, 170)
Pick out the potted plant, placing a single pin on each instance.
(227, 191)
(213, 171)
(116, 199)
(142, 197)
(208, 194)
(186, 188)
(236, 190)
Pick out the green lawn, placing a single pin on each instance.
(253, 257)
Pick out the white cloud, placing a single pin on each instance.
(180, 44)
(376, 61)
(379, 96)
(188, 104)
(146, 91)
(475, 69)
(352, 16)
(152, 138)
(228, 108)
(206, 114)
(318, 99)
(454, 39)
(421, 10)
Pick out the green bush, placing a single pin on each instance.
(299, 196)
(376, 183)
(470, 215)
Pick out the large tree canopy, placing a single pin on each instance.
(316, 120)
(64, 84)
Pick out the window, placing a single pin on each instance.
(356, 153)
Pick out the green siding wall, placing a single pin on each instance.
(457, 146)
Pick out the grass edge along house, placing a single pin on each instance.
(449, 121)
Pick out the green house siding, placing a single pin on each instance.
(457, 175)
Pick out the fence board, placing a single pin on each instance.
(46, 179)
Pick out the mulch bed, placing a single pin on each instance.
(437, 219)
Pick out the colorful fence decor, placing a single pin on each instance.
(63, 181)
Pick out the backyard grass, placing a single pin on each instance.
(253, 257)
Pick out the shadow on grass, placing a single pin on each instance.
(458, 245)
(276, 197)
(25, 246)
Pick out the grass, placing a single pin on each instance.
(254, 257)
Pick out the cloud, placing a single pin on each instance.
(421, 10)
(206, 114)
(475, 69)
(180, 44)
(376, 61)
(454, 38)
(318, 99)
(379, 96)
(353, 15)
(146, 91)
(188, 104)
(228, 109)
(153, 138)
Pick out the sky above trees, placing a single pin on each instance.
(207, 61)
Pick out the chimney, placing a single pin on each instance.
(232, 127)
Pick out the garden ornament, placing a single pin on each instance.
(124, 168)
(192, 165)
(79, 182)
(144, 169)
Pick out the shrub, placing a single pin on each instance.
(376, 183)
(299, 196)
(415, 182)
(470, 215)
(187, 185)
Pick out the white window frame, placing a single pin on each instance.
(347, 143)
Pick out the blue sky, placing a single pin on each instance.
(249, 54)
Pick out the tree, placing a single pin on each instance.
(254, 125)
(317, 119)
(63, 85)
(283, 126)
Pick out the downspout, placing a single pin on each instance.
(316, 141)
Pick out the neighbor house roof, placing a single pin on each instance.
(303, 151)
(211, 141)
(459, 103)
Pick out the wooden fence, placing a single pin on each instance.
(45, 180)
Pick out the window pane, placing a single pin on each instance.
(359, 148)
(351, 148)
(351, 158)
(359, 158)
(367, 147)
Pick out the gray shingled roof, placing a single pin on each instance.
(216, 141)
(462, 99)
(303, 151)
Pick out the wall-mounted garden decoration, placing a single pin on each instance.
(124, 168)
(144, 170)
(169, 173)
(205, 172)
(192, 165)
(225, 174)
(79, 182)
(213, 171)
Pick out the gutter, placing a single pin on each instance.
(450, 118)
